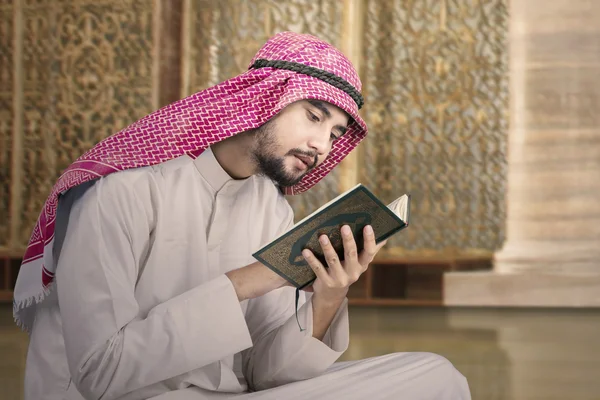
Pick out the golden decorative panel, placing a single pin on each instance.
(222, 37)
(436, 88)
(6, 115)
(435, 78)
(86, 72)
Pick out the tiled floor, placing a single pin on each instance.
(507, 354)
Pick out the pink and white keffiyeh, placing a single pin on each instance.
(288, 68)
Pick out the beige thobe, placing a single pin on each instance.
(142, 309)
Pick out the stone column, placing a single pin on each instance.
(552, 253)
(351, 46)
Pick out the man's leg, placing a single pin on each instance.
(395, 376)
(398, 376)
(410, 376)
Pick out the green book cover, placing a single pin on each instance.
(356, 208)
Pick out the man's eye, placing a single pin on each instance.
(333, 138)
(313, 117)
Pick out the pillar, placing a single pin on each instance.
(551, 256)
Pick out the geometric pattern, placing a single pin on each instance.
(436, 79)
(83, 69)
(6, 117)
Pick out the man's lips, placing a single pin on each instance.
(308, 161)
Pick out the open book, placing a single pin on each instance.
(356, 208)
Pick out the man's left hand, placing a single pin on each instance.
(331, 285)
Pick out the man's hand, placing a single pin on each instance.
(332, 283)
(331, 286)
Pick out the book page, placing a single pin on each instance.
(400, 207)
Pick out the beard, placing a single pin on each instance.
(272, 166)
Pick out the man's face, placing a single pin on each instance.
(297, 140)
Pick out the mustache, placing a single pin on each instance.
(311, 154)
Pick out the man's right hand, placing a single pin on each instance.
(255, 280)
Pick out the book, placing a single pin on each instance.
(357, 208)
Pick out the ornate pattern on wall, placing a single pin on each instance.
(436, 84)
(6, 115)
(87, 73)
(223, 36)
(435, 80)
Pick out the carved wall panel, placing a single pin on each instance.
(222, 37)
(86, 72)
(436, 84)
(6, 115)
(435, 79)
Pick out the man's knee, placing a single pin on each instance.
(436, 374)
(446, 374)
(435, 360)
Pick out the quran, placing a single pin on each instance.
(357, 208)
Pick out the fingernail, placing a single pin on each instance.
(306, 253)
(369, 230)
(323, 239)
(346, 230)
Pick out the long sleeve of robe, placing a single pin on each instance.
(142, 305)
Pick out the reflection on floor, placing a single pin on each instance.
(506, 354)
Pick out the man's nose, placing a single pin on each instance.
(321, 143)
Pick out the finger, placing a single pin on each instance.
(381, 244)
(316, 266)
(370, 247)
(351, 264)
(331, 258)
(350, 249)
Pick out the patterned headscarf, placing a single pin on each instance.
(288, 68)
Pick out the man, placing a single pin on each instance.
(148, 288)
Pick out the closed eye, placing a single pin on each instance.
(313, 117)
(333, 138)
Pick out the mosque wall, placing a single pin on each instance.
(71, 74)
(435, 76)
(435, 79)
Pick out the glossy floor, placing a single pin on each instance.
(508, 354)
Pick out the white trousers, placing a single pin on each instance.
(405, 376)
